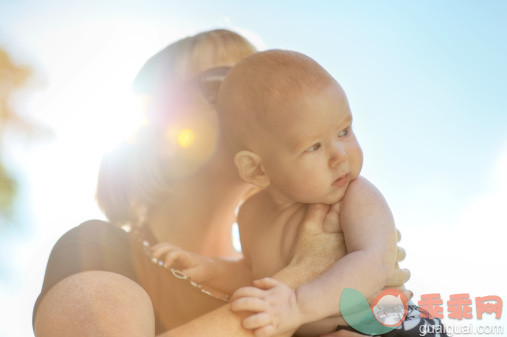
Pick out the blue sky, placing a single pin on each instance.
(425, 80)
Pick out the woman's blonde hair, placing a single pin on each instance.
(135, 176)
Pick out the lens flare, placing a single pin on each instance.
(185, 138)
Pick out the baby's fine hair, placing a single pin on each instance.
(261, 83)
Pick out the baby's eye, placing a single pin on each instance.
(344, 132)
(312, 148)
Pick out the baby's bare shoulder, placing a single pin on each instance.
(249, 211)
(363, 195)
(362, 189)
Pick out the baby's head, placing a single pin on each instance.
(288, 123)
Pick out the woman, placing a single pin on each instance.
(172, 183)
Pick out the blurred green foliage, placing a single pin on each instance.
(7, 191)
(12, 78)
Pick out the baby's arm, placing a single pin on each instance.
(222, 274)
(370, 237)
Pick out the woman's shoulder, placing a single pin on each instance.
(100, 246)
(96, 234)
(92, 245)
(95, 230)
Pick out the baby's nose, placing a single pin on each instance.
(337, 155)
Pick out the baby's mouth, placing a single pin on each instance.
(341, 181)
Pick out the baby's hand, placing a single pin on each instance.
(274, 306)
(199, 268)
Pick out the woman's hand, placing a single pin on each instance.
(315, 248)
(399, 276)
(318, 247)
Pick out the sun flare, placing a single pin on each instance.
(185, 138)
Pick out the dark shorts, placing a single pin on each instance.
(413, 325)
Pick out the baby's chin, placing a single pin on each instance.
(331, 200)
(334, 202)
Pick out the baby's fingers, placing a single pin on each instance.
(265, 283)
(253, 304)
(257, 321)
(173, 256)
(400, 254)
(162, 245)
(197, 273)
(266, 331)
(162, 248)
(398, 235)
(247, 292)
(398, 277)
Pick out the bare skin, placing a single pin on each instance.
(102, 303)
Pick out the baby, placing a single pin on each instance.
(288, 123)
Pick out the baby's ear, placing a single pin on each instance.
(250, 168)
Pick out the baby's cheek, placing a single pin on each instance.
(305, 189)
(356, 162)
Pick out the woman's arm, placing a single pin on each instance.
(99, 303)
(95, 303)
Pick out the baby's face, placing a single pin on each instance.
(313, 154)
